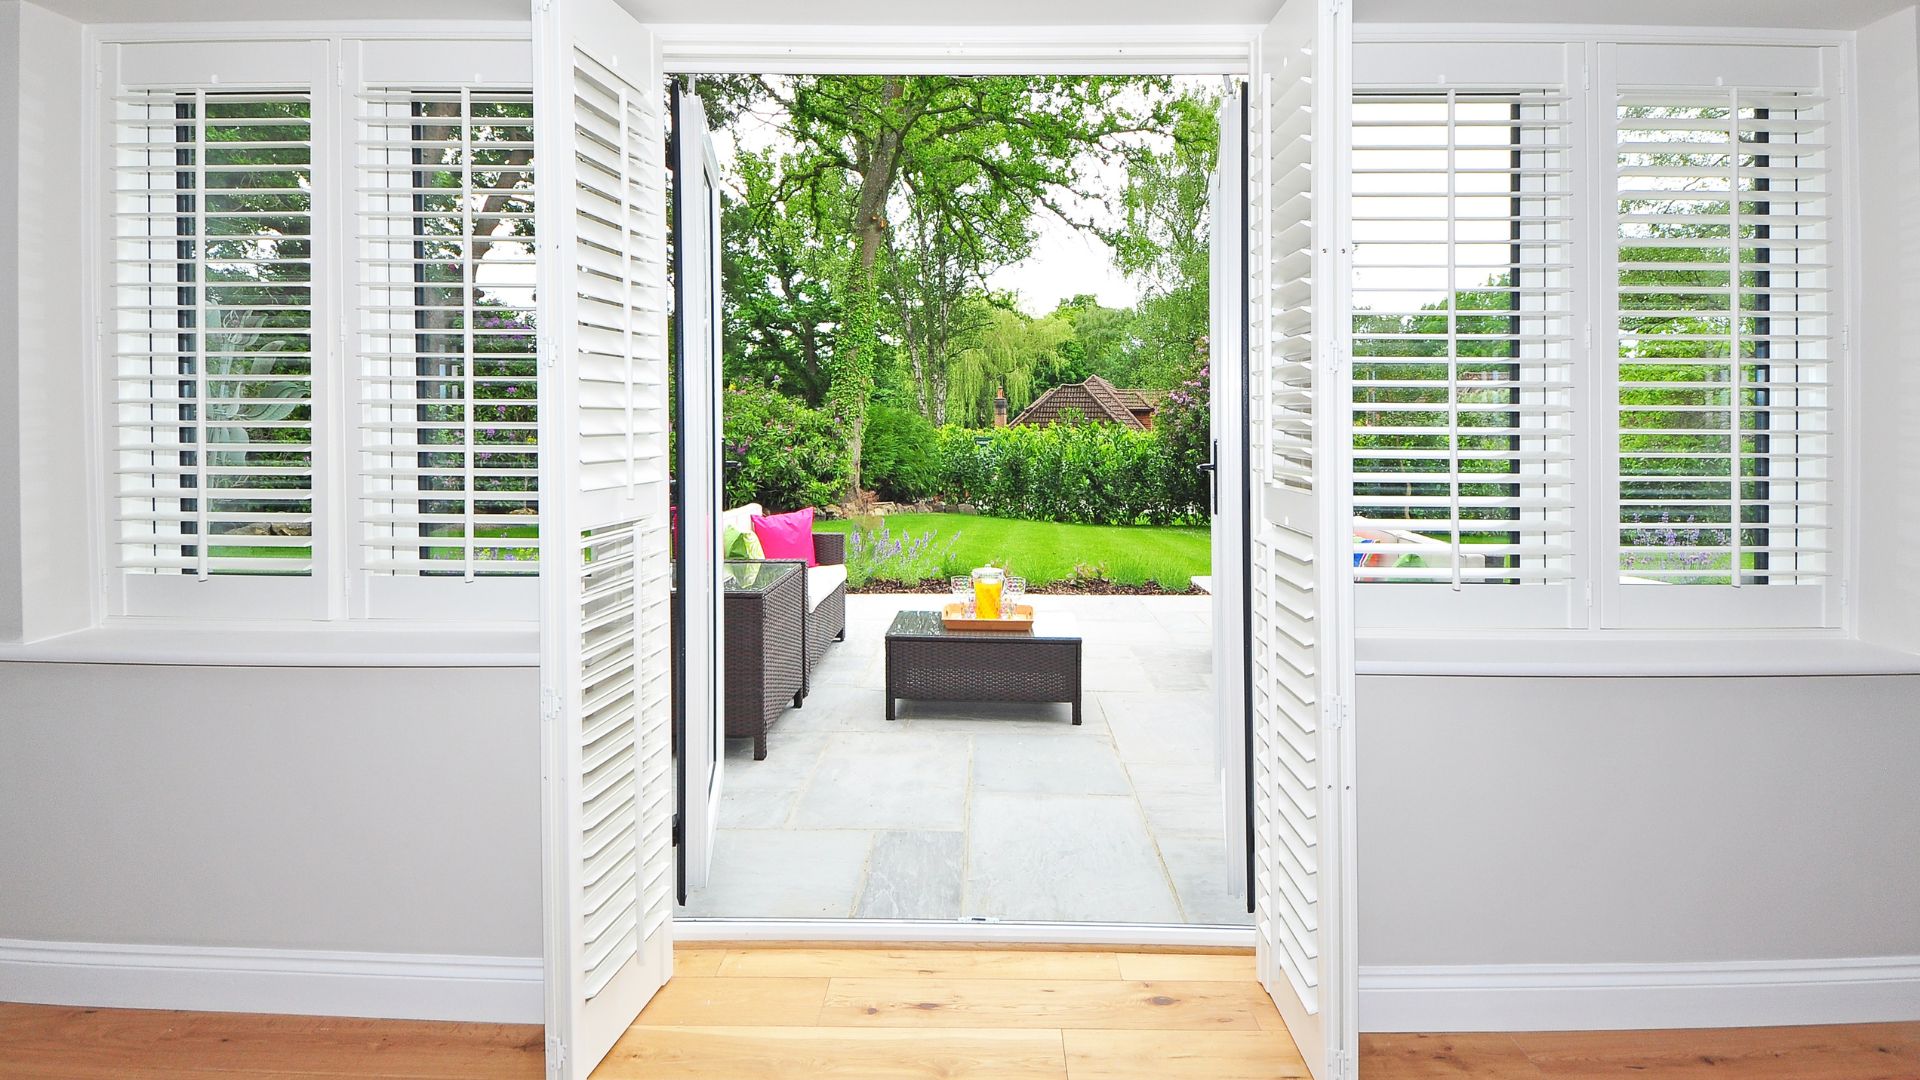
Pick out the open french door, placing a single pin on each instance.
(1231, 497)
(605, 570)
(699, 721)
(1299, 582)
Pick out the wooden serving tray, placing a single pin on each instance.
(1016, 620)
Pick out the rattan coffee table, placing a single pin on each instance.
(926, 661)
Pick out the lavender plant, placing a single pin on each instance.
(877, 553)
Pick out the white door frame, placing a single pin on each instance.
(1091, 50)
(699, 657)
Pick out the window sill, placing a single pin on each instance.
(1622, 656)
(352, 645)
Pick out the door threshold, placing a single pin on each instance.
(964, 932)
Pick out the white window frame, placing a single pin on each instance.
(336, 61)
(1598, 605)
(1497, 67)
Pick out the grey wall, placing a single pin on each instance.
(44, 527)
(10, 577)
(1887, 359)
(1549, 821)
(380, 810)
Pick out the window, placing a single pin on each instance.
(1721, 317)
(448, 408)
(213, 349)
(1461, 331)
(1593, 335)
(319, 341)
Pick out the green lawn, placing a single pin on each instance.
(1040, 551)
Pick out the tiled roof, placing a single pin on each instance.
(1096, 399)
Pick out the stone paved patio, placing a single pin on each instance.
(960, 810)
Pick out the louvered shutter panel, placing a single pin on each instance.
(606, 573)
(448, 406)
(1723, 320)
(1300, 669)
(211, 336)
(1462, 337)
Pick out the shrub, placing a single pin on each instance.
(900, 454)
(779, 452)
(1185, 426)
(1100, 474)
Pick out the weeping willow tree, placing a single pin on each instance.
(1009, 351)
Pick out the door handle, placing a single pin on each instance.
(1213, 480)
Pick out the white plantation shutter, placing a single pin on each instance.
(448, 405)
(1301, 669)
(605, 575)
(211, 340)
(1462, 337)
(1722, 296)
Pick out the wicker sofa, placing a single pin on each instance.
(774, 642)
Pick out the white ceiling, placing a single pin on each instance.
(1834, 14)
(1801, 14)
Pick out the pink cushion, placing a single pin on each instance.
(787, 536)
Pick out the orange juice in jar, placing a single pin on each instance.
(987, 584)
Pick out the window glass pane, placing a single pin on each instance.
(449, 410)
(1461, 338)
(213, 320)
(1722, 316)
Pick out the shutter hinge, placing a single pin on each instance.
(1588, 590)
(545, 345)
(556, 1056)
(1338, 713)
(1341, 1066)
(679, 831)
(549, 706)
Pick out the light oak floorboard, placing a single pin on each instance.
(920, 963)
(698, 962)
(1029, 1003)
(724, 1002)
(1443, 1057)
(58, 1043)
(1182, 1055)
(1842, 1052)
(1216, 967)
(733, 1053)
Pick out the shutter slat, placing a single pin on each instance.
(1463, 248)
(1723, 331)
(448, 392)
(212, 316)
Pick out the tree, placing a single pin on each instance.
(1164, 244)
(778, 275)
(978, 154)
(1009, 351)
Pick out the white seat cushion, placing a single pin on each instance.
(822, 580)
(741, 517)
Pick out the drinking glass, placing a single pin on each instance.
(962, 587)
(1016, 588)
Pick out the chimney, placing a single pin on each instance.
(1000, 407)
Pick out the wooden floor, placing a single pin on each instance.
(772, 1013)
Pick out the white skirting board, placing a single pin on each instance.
(1600, 997)
(384, 985)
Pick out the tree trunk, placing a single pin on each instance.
(852, 383)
